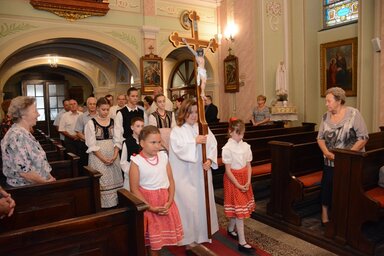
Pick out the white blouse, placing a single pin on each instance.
(152, 176)
(237, 154)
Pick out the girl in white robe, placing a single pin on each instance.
(185, 157)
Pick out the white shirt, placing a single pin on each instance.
(237, 154)
(68, 122)
(113, 111)
(168, 106)
(57, 121)
(152, 176)
(90, 137)
(118, 129)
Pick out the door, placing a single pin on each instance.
(49, 101)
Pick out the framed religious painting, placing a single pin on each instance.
(338, 66)
(151, 71)
(231, 74)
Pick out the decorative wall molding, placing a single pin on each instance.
(274, 10)
(171, 9)
(130, 39)
(9, 29)
(72, 9)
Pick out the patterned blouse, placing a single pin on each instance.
(261, 114)
(344, 134)
(21, 152)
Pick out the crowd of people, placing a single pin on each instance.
(156, 153)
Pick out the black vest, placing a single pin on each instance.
(127, 117)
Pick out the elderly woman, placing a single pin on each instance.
(24, 161)
(341, 127)
(261, 114)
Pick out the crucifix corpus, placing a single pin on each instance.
(195, 45)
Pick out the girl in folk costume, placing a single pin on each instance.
(238, 196)
(131, 146)
(185, 156)
(103, 153)
(151, 180)
(162, 119)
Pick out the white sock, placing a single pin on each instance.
(231, 224)
(240, 231)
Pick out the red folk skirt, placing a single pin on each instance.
(161, 230)
(238, 204)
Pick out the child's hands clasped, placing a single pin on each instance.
(243, 188)
(160, 210)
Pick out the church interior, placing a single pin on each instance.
(282, 49)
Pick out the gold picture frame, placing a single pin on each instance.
(338, 66)
(151, 71)
(231, 74)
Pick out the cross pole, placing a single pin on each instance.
(196, 43)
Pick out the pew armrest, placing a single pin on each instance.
(126, 198)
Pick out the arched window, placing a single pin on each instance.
(340, 12)
(182, 80)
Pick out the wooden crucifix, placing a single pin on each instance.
(199, 62)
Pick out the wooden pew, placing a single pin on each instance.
(364, 204)
(261, 167)
(61, 169)
(113, 232)
(296, 175)
(57, 154)
(337, 228)
(250, 134)
(61, 199)
(248, 127)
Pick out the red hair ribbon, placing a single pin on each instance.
(232, 119)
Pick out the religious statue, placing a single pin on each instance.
(281, 81)
(201, 71)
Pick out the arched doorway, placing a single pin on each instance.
(82, 68)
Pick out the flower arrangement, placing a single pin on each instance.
(282, 95)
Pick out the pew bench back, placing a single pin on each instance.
(61, 199)
(112, 232)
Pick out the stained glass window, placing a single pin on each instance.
(339, 12)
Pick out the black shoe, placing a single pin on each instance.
(242, 248)
(232, 234)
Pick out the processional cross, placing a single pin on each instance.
(196, 43)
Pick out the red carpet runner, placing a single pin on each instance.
(221, 245)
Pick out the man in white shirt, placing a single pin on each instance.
(79, 129)
(122, 128)
(56, 123)
(67, 127)
(121, 102)
(168, 103)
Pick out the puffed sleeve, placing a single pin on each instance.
(226, 155)
(124, 159)
(173, 122)
(118, 130)
(249, 156)
(90, 137)
(212, 149)
(152, 120)
(360, 127)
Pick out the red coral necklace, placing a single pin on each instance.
(154, 161)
